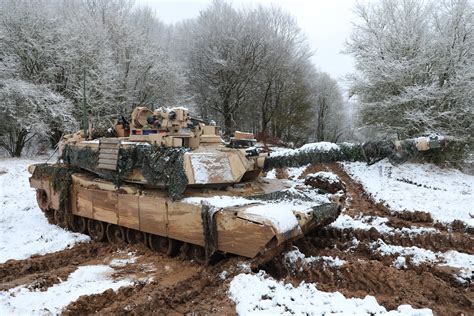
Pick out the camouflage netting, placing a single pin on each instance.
(374, 151)
(449, 153)
(341, 152)
(61, 181)
(84, 158)
(209, 226)
(160, 166)
(283, 195)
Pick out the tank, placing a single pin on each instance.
(169, 181)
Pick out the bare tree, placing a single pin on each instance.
(226, 54)
(329, 117)
(287, 56)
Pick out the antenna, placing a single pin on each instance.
(85, 121)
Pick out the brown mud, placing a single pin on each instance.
(366, 272)
(177, 285)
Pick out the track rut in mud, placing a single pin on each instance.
(368, 272)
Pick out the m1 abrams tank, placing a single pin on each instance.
(169, 181)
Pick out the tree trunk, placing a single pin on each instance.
(18, 140)
(226, 112)
(227, 124)
(321, 124)
(18, 150)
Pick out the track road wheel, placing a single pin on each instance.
(164, 245)
(79, 224)
(42, 199)
(136, 237)
(198, 254)
(49, 214)
(116, 234)
(60, 218)
(96, 230)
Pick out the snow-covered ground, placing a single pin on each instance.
(86, 280)
(293, 173)
(462, 261)
(379, 223)
(24, 230)
(296, 260)
(260, 294)
(447, 194)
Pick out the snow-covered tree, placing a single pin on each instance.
(28, 110)
(286, 59)
(246, 68)
(226, 53)
(250, 66)
(110, 50)
(329, 113)
(414, 63)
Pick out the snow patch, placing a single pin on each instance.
(219, 201)
(24, 230)
(447, 194)
(116, 263)
(205, 166)
(296, 260)
(86, 280)
(462, 261)
(279, 214)
(295, 172)
(271, 174)
(321, 146)
(260, 294)
(379, 223)
(328, 176)
(223, 275)
(400, 262)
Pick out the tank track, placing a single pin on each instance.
(100, 231)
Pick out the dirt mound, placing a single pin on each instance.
(325, 181)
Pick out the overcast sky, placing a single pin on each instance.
(326, 23)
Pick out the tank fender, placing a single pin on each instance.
(31, 168)
(281, 236)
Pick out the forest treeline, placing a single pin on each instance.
(248, 69)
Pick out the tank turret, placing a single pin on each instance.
(167, 139)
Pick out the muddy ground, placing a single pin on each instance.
(178, 286)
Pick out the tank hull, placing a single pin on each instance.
(223, 221)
